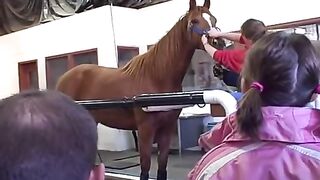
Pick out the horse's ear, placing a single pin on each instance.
(192, 5)
(206, 4)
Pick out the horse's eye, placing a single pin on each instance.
(195, 21)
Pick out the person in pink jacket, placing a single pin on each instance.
(272, 135)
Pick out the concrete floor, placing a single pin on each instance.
(178, 167)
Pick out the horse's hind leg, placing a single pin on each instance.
(164, 138)
(145, 140)
(135, 137)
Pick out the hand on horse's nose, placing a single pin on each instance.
(204, 39)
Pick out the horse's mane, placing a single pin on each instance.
(161, 55)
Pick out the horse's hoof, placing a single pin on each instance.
(144, 176)
(162, 175)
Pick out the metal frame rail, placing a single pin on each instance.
(145, 100)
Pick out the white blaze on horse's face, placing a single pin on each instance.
(206, 16)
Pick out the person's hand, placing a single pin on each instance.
(204, 39)
(214, 33)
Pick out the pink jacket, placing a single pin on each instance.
(289, 148)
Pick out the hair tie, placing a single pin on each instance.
(259, 87)
(317, 90)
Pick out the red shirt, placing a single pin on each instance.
(231, 59)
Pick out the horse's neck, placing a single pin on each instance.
(172, 55)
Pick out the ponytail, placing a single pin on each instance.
(249, 115)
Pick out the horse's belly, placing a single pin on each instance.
(120, 118)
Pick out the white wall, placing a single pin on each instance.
(128, 28)
(229, 13)
(159, 19)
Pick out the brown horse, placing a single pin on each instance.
(161, 69)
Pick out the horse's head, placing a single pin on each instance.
(200, 20)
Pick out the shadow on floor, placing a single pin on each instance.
(127, 162)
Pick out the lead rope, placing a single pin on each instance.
(113, 32)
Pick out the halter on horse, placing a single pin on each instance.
(161, 69)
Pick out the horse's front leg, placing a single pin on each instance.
(145, 135)
(164, 139)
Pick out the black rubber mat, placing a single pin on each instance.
(120, 165)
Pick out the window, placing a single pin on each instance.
(58, 65)
(308, 27)
(125, 54)
(86, 58)
(28, 75)
(311, 31)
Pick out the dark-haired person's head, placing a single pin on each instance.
(47, 136)
(280, 69)
(252, 30)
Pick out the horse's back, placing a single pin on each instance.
(90, 81)
(73, 82)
